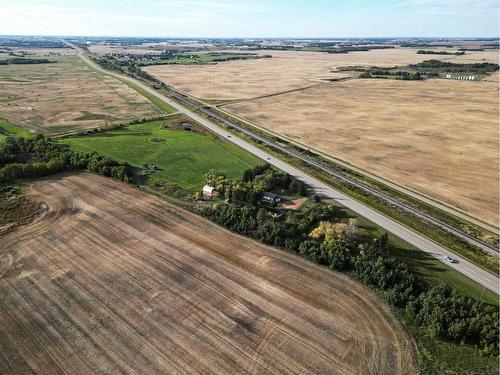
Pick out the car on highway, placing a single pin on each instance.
(449, 259)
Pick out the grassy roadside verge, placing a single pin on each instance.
(153, 99)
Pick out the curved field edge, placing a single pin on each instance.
(117, 279)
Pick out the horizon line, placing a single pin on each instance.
(253, 37)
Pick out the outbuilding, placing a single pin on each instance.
(209, 191)
(271, 197)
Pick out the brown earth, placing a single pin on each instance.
(66, 95)
(287, 70)
(16, 209)
(438, 137)
(116, 280)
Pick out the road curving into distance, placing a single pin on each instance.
(467, 268)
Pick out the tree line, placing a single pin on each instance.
(440, 311)
(38, 156)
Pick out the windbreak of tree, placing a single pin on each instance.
(38, 156)
(397, 74)
(438, 66)
(323, 236)
(430, 52)
(20, 60)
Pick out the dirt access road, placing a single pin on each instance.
(114, 280)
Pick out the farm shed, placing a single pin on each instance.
(271, 198)
(209, 191)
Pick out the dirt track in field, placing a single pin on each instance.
(114, 280)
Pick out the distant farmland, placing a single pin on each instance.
(438, 137)
(66, 95)
(114, 280)
(287, 70)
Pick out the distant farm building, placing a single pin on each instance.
(461, 78)
(271, 198)
(209, 192)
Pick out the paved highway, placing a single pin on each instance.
(463, 266)
(390, 200)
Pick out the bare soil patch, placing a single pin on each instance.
(295, 204)
(287, 70)
(438, 137)
(16, 209)
(116, 280)
(66, 95)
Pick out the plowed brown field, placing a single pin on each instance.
(114, 280)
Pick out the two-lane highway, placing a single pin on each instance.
(421, 242)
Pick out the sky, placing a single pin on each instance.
(251, 18)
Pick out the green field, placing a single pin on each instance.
(7, 129)
(182, 157)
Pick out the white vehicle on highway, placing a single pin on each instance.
(449, 259)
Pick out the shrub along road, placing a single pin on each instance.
(483, 277)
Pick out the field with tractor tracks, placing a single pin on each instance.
(112, 280)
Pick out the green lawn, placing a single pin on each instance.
(183, 157)
(6, 129)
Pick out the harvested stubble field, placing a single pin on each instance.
(116, 280)
(66, 95)
(287, 70)
(147, 48)
(438, 137)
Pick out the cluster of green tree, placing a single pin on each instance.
(396, 74)
(273, 179)
(472, 49)
(423, 45)
(444, 313)
(107, 64)
(445, 66)
(235, 191)
(20, 60)
(30, 42)
(38, 156)
(430, 52)
(347, 49)
(440, 311)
